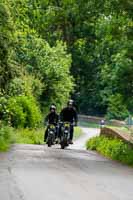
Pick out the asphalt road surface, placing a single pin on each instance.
(33, 172)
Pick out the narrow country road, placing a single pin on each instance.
(33, 172)
(88, 133)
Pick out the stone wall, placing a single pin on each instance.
(108, 132)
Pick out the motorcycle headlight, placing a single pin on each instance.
(51, 132)
(65, 131)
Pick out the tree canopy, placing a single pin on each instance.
(53, 49)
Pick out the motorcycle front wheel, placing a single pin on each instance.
(62, 145)
(49, 143)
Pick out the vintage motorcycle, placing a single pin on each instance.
(51, 135)
(65, 134)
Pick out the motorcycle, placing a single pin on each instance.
(51, 135)
(65, 134)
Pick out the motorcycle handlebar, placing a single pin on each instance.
(61, 123)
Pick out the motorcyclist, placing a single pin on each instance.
(69, 114)
(51, 118)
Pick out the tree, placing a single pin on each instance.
(7, 64)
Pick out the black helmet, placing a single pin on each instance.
(52, 107)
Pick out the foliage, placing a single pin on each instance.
(99, 37)
(44, 44)
(116, 108)
(23, 111)
(6, 137)
(50, 65)
(112, 148)
(7, 66)
(25, 85)
(113, 49)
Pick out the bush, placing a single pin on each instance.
(93, 143)
(115, 149)
(6, 137)
(23, 111)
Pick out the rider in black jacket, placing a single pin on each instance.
(69, 114)
(51, 118)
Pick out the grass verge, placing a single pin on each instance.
(115, 149)
(89, 124)
(122, 129)
(9, 135)
(29, 136)
(35, 136)
(6, 137)
(77, 132)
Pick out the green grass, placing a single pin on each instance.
(77, 132)
(115, 149)
(29, 136)
(6, 137)
(9, 135)
(4, 145)
(35, 136)
(89, 124)
(123, 129)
